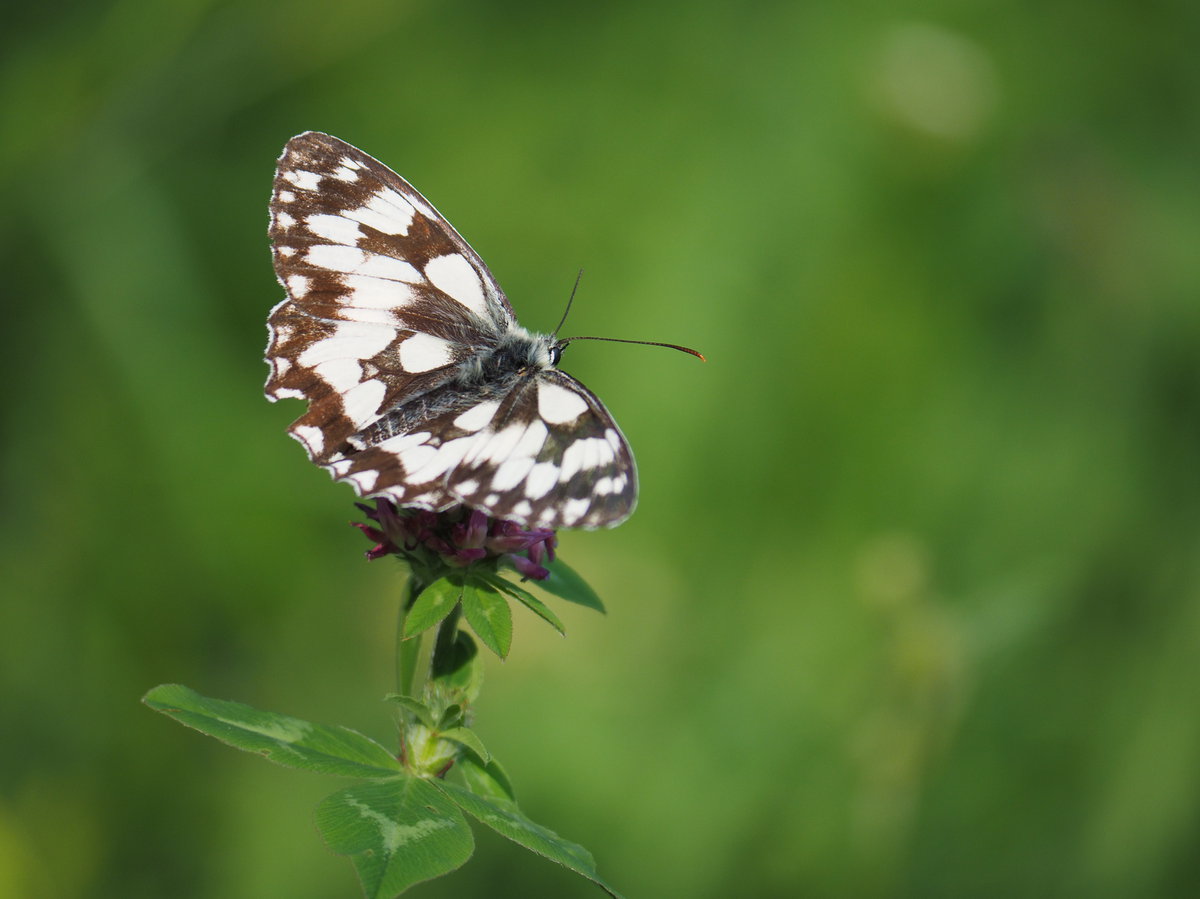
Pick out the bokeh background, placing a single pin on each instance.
(911, 604)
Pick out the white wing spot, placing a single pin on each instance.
(346, 174)
(386, 211)
(532, 440)
(350, 341)
(401, 442)
(572, 460)
(352, 260)
(361, 402)
(369, 316)
(424, 352)
(337, 228)
(523, 508)
(466, 488)
(424, 208)
(585, 454)
(515, 440)
(475, 418)
(455, 276)
(541, 480)
(283, 220)
(491, 499)
(312, 438)
(286, 252)
(297, 285)
(416, 457)
(449, 454)
(285, 196)
(340, 374)
(511, 472)
(302, 179)
(350, 163)
(574, 509)
(499, 446)
(365, 292)
(558, 405)
(364, 480)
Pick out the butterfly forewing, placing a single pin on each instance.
(382, 291)
(388, 323)
(377, 249)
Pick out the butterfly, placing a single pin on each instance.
(421, 385)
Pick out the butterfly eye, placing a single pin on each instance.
(556, 353)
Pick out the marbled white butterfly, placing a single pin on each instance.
(422, 388)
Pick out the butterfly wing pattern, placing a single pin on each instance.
(421, 386)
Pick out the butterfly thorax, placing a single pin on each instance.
(517, 353)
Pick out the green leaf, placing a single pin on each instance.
(280, 738)
(418, 709)
(507, 820)
(487, 780)
(566, 584)
(468, 738)
(433, 604)
(397, 832)
(452, 716)
(489, 616)
(527, 599)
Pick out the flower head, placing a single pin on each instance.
(456, 538)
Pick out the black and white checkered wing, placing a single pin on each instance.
(384, 297)
(421, 385)
(546, 454)
(551, 456)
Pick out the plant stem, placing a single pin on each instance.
(407, 651)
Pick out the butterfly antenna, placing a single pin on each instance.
(570, 300)
(670, 346)
(560, 344)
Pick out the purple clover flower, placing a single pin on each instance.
(456, 538)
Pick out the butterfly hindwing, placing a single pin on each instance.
(554, 458)
(547, 454)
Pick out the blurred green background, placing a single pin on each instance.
(911, 603)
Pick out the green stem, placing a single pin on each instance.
(407, 651)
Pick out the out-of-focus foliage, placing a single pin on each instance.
(911, 604)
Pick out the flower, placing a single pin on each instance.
(456, 538)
